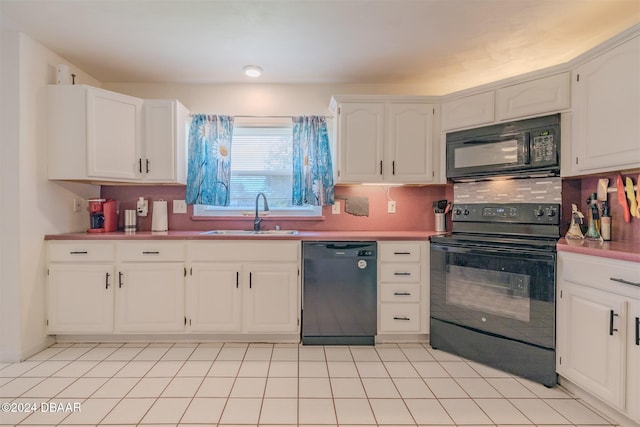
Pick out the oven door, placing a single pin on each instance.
(500, 290)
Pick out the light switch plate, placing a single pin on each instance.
(391, 206)
(179, 206)
(335, 209)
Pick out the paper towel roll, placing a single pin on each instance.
(159, 221)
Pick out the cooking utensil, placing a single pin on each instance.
(622, 199)
(603, 184)
(638, 194)
(633, 204)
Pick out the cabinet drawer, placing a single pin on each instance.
(400, 292)
(81, 251)
(598, 272)
(231, 250)
(399, 317)
(399, 251)
(150, 251)
(400, 272)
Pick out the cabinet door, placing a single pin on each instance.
(409, 143)
(469, 111)
(633, 361)
(214, 297)
(271, 297)
(360, 139)
(591, 337)
(80, 298)
(538, 96)
(164, 158)
(606, 107)
(113, 135)
(150, 297)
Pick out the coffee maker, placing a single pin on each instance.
(103, 216)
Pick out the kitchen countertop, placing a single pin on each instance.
(624, 251)
(197, 235)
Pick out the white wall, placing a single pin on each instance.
(32, 205)
(255, 98)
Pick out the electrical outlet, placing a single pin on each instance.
(77, 205)
(391, 206)
(179, 206)
(335, 209)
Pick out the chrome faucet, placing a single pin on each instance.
(257, 220)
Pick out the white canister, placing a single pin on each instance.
(159, 220)
(130, 218)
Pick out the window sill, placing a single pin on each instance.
(251, 218)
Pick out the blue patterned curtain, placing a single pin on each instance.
(209, 168)
(312, 168)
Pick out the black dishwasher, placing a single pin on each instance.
(339, 300)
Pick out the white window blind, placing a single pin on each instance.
(261, 161)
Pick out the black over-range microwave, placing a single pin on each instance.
(524, 148)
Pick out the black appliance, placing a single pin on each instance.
(493, 287)
(339, 286)
(525, 148)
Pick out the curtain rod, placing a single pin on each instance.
(270, 117)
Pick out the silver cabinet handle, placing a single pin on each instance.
(150, 252)
(401, 318)
(626, 282)
(106, 280)
(78, 253)
(402, 273)
(402, 253)
(402, 293)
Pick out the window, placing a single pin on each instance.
(261, 161)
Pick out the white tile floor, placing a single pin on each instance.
(264, 384)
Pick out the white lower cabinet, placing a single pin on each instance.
(80, 298)
(403, 291)
(597, 329)
(243, 287)
(214, 297)
(150, 297)
(271, 303)
(150, 287)
(80, 287)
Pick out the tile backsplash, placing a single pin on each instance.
(532, 190)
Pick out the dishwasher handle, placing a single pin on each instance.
(347, 245)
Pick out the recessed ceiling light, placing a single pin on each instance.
(252, 71)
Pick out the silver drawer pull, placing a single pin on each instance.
(402, 253)
(150, 252)
(401, 318)
(78, 252)
(626, 282)
(401, 273)
(402, 293)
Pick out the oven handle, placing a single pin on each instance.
(509, 252)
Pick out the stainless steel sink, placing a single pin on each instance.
(250, 232)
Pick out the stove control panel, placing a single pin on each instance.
(525, 213)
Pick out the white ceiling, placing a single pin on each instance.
(441, 44)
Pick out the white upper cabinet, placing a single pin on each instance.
(94, 134)
(360, 142)
(103, 136)
(606, 111)
(540, 96)
(410, 142)
(469, 111)
(384, 140)
(164, 156)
